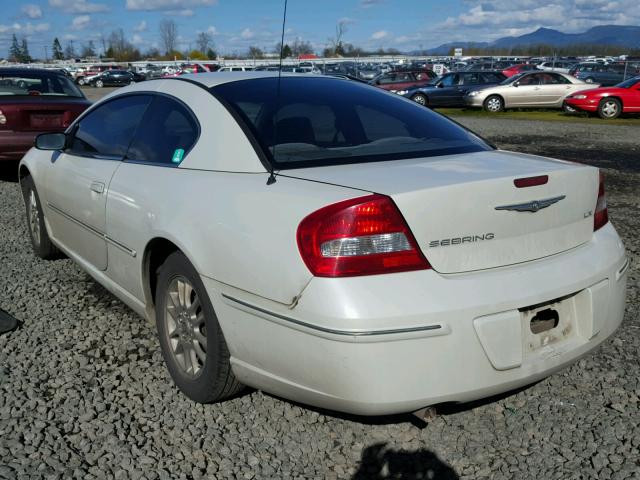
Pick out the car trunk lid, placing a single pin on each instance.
(467, 214)
(40, 114)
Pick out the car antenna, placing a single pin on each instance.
(272, 178)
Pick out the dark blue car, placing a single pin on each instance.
(449, 90)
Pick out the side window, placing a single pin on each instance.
(471, 79)
(166, 134)
(449, 80)
(559, 79)
(108, 129)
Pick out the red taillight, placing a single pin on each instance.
(601, 216)
(361, 236)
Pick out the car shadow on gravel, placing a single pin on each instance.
(8, 171)
(380, 463)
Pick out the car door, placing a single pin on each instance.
(445, 90)
(524, 91)
(77, 181)
(167, 133)
(554, 88)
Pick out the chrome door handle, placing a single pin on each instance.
(97, 187)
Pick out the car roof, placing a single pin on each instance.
(26, 71)
(211, 79)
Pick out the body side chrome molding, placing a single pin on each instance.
(95, 231)
(349, 333)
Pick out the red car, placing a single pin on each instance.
(34, 101)
(609, 102)
(519, 68)
(403, 80)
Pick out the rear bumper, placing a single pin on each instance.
(13, 145)
(396, 343)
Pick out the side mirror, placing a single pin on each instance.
(516, 84)
(439, 85)
(51, 141)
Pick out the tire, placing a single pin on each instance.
(420, 98)
(494, 104)
(609, 108)
(568, 108)
(193, 331)
(40, 241)
(99, 84)
(81, 81)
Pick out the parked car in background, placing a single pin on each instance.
(519, 68)
(450, 89)
(487, 65)
(235, 69)
(561, 66)
(402, 80)
(191, 68)
(604, 74)
(609, 102)
(533, 89)
(138, 76)
(82, 77)
(33, 101)
(111, 78)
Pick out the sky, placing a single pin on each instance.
(237, 24)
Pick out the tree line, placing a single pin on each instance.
(116, 46)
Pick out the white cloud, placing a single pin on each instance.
(491, 19)
(137, 39)
(25, 29)
(187, 12)
(32, 11)
(80, 22)
(247, 33)
(141, 27)
(212, 30)
(370, 3)
(488, 20)
(175, 5)
(379, 35)
(78, 6)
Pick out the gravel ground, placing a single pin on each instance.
(84, 393)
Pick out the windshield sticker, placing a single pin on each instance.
(178, 153)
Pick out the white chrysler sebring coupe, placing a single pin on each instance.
(327, 241)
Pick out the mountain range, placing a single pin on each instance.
(618, 35)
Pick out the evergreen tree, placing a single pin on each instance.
(14, 50)
(70, 51)
(56, 50)
(24, 52)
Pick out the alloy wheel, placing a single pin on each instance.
(185, 327)
(494, 105)
(34, 218)
(420, 99)
(610, 109)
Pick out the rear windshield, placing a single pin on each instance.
(319, 121)
(38, 84)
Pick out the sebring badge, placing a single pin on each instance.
(533, 206)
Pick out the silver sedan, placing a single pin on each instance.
(535, 89)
